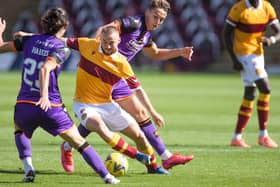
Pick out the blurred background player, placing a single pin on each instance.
(101, 67)
(39, 102)
(244, 39)
(135, 36)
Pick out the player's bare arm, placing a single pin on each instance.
(156, 53)
(44, 77)
(21, 34)
(268, 41)
(228, 42)
(143, 97)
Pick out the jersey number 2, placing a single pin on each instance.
(30, 68)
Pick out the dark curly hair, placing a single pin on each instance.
(53, 20)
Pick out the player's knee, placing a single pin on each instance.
(263, 86)
(94, 124)
(250, 93)
(265, 90)
(140, 137)
(100, 128)
(140, 114)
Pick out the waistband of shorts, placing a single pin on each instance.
(124, 98)
(34, 103)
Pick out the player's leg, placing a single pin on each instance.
(263, 112)
(89, 154)
(134, 107)
(134, 132)
(57, 121)
(250, 73)
(24, 149)
(244, 114)
(24, 127)
(119, 120)
(123, 95)
(96, 124)
(66, 151)
(91, 121)
(67, 160)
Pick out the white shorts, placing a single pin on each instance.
(253, 69)
(112, 114)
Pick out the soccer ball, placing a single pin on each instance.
(117, 164)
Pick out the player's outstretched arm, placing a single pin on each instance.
(21, 34)
(143, 97)
(156, 53)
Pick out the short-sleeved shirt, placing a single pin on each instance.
(35, 50)
(134, 36)
(97, 73)
(250, 24)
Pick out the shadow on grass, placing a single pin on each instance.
(47, 172)
(188, 146)
(40, 172)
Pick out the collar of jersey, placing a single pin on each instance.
(248, 4)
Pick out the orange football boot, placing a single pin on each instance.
(239, 143)
(267, 142)
(67, 159)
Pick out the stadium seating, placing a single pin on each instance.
(193, 22)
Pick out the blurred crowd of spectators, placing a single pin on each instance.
(195, 23)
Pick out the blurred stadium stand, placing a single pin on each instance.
(191, 22)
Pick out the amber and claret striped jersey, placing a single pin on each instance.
(97, 73)
(250, 24)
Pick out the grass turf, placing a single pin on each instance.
(200, 112)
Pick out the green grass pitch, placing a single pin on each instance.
(200, 112)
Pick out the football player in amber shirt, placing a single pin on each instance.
(101, 67)
(244, 39)
(135, 33)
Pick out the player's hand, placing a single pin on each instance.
(2, 25)
(44, 103)
(187, 53)
(158, 119)
(21, 34)
(267, 41)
